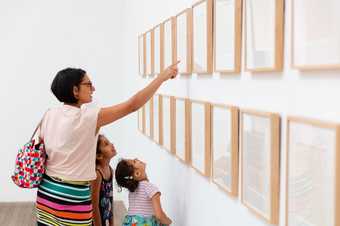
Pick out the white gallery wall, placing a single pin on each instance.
(187, 197)
(38, 39)
(41, 37)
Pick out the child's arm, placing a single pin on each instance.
(95, 190)
(159, 213)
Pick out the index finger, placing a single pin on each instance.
(178, 61)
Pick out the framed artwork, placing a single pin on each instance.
(156, 119)
(157, 37)
(224, 147)
(141, 55)
(313, 173)
(147, 113)
(183, 41)
(181, 129)
(264, 35)
(260, 152)
(167, 122)
(140, 119)
(202, 16)
(169, 40)
(200, 137)
(227, 35)
(315, 34)
(149, 52)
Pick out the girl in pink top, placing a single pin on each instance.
(144, 197)
(70, 133)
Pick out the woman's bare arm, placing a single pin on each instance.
(108, 115)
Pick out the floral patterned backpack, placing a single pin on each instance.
(30, 162)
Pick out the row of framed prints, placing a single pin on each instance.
(208, 37)
(225, 143)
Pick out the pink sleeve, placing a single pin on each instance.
(91, 117)
(150, 189)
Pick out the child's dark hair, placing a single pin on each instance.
(98, 151)
(124, 176)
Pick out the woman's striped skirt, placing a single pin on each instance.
(60, 203)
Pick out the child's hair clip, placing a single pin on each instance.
(128, 177)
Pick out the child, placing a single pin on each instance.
(101, 188)
(144, 198)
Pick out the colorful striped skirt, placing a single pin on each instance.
(60, 203)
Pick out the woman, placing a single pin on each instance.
(70, 134)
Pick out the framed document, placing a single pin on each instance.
(156, 119)
(169, 40)
(264, 35)
(202, 15)
(157, 49)
(181, 118)
(313, 173)
(315, 34)
(228, 35)
(167, 122)
(141, 55)
(140, 118)
(224, 145)
(260, 134)
(200, 140)
(184, 41)
(147, 110)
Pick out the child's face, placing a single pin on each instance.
(107, 149)
(139, 168)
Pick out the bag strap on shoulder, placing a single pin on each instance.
(39, 125)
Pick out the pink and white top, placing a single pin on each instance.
(140, 200)
(70, 140)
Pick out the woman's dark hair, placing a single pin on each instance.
(63, 83)
(124, 176)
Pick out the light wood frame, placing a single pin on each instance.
(171, 113)
(209, 57)
(306, 67)
(207, 137)
(186, 159)
(172, 20)
(159, 48)
(237, 40)
(274, 168)
(322, 125)
(279, 40)
(188, 14)
(151, 72)
(234, 137)
(158, 97)
(141, 64)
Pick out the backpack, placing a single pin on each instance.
(30, 162)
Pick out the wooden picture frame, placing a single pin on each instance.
(167, 122)
(156, 119)
(183, 41)
(315, 35)
(157, 40)
(149, 48)
(224, 147)
(147, 118)
(140, 120)
(202, 16)
(312, 172)
(141, 55)
(181, 129)
(168, 41)
(200, 136)
(264, 29)
(260, 154)
(227, 36)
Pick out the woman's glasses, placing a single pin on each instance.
(88, 84)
